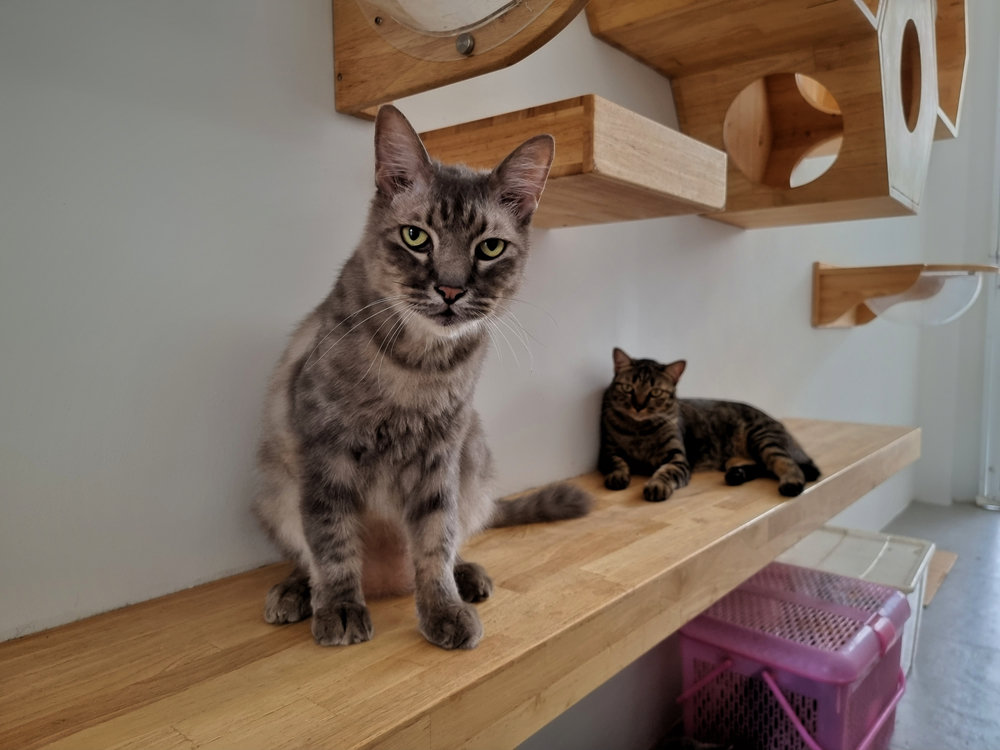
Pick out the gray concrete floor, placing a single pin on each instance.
(952, 698)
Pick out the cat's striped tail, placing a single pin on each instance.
(553, 502)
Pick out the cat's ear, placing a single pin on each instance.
(401, 161)
(520, 178)
(675, 369)
(622, 360)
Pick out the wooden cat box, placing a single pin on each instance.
(827, 110)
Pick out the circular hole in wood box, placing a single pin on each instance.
(783, 130)
(909, 73)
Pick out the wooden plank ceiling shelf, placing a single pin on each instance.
(575, 602)
(610, 164)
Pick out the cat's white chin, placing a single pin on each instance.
(451, 331)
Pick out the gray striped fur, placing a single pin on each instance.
(373, 464)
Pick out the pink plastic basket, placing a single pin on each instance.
(795, 658)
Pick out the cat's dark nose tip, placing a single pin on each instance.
(450, 294)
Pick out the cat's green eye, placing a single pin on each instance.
(625, 387)
(656, 392)
(491, 248)
(415, 238)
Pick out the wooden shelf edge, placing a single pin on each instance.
(575, 603)
(611, 164)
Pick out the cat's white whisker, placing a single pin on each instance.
(380, 345)
(320, 342)
(402, 324)
(511, 346)
(330, 348)
(524, 343)
(531, 304)
(508, 311)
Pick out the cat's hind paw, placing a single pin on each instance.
(737, 475)
(288, 601)
(791, 489)
(474, 583)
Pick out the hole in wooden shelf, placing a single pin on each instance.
(909, 73)
(784, 130)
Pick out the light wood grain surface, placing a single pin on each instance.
(370, 71)
(735, 56)
(575, 603)
(610, 164)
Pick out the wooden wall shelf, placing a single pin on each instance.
(875, 58)
(370, 71)
(610, 164)
(840, 294)
(575, 603)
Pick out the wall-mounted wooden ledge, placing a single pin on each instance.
(575, 603)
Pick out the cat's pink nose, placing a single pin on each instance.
(450, 293)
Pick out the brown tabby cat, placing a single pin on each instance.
(646, 429)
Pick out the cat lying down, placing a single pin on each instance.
(647, 430)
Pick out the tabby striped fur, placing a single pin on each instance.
(647, 430)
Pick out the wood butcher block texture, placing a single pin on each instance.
(610, 163)
(575, 602)
(370, 71)
(875, 65)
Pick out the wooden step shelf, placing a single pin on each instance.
(575, 603)
(731, 63)
(610, 164)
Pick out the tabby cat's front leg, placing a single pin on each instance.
(433, 526)
(331, 504)
(672, 475)
(614, 468)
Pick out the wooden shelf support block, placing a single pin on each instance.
(575, 603)
(610, 164)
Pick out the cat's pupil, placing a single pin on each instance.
(413, 232)
(491, 245)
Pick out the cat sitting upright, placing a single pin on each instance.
(373, 464)
(646, 429)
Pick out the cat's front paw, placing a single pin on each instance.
(617, 480)
(474, 583)
(341, 624)
(452, 626)
(656, 491)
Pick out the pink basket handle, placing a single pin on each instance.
(689, 693)
(808, 739)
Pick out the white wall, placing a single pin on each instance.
(176, 190)
(958, 216)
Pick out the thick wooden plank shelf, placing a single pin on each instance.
(575, 603)
(610, 164)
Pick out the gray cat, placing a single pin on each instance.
(373, 464)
